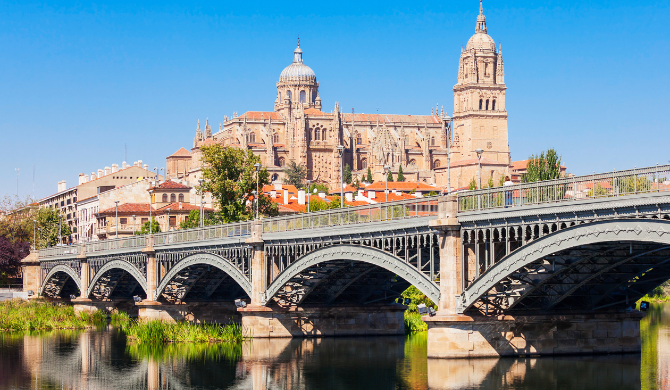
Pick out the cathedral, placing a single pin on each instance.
(431, 148)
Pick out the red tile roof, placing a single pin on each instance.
(260, 115)
(139, 208)
(315, 112)
(413, 119)
(173, 185)
(174, 208)
(181, 153)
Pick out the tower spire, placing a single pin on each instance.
(481, 20)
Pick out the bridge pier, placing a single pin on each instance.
(265, 322)
(556, 334)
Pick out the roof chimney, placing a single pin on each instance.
(146, 167)
(139, 163)
(62, 186)
(82, 178)
(108, 170)
(115, 168)
(93, 176)
(285, 196)
(101, 173)
(278, 185)
(124, 165)
(301, 196)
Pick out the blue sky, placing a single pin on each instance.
(78, 81)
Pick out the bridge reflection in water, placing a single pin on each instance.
(103, 360)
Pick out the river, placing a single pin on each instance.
(102, 359)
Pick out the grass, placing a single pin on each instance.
(157, 331)
(413, 322)
(20, 315)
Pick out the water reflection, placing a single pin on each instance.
(103, 360)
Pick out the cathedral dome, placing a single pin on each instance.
(481, 42)
(297, 70)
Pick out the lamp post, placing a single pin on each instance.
(133, 224)
(34, 235)
(340, 150)
(116, 223)
(479, 163)
(156, 176)
(202, 208)
(258, 168)
(451, 128)
(386, 173)
(60, 229)
(151, 201)
(163, 170)
(308, 182)
(168, 220)
(254, 193)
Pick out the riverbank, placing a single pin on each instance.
(177, 332)
(20, 315)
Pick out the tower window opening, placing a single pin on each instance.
(432, 141)
(324, 134)
(317, 134)
(282, 162)
(364, 163)
(359, 139)
(303, 97)
(181, 197)
(493, 105)
(480, 103)
(289, 94)
(173, 198)
(275, 138)
(487, 104)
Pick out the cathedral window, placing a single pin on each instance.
(251, 138)
(432, 141)
(317, 134)
(275, 138)
(493, 105)
(165, 198)
(181, 197)
(282, 162)
(412, 163)
(359, 139)
(436, 164)
(173, 198)
(324, 134)
(487, 104)
(290, 95)
(303, 97)
(364, 163)
(480, 103)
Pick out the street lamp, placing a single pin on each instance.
(168, 219)
(451, 128)
(34, 235)
(163, 170)
(386, 173)
(254, 201)
(156, 176)
(202, 208)
(133, 224)
(60, 229)
(151, 201)
(479, 163)
(116, 223)
(258, 168)
(340, 150)
(308, 182)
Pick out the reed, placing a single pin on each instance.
(21, 315)
(413, 322)
(157, 331)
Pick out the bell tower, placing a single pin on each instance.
(480, 117)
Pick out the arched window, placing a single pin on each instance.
(280, 96)
(252, 138)
(290, 95)
(164, 198)
(181, 197)
(493, 105)
(412, 163)
(324, 134)
(480, 103)
(436, 164)
(303, 97)
(364, 163)
(275, 138)
(317, 134)
(173, 198)
(282, 162)
(487, 104)
(432, 141)
(359, 139)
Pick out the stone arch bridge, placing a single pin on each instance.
(580, 250)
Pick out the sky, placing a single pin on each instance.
(82, 84)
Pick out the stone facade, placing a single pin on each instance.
(298, 130)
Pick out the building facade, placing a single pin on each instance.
(298, 130)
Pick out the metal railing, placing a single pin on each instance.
(116, 243)
(238, 229)
(601, 185)
(388, 211)
(60, 251)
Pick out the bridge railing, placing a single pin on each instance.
(116, 243)
(60, 251)
(388, 211)
(206, 233)
(601, 185)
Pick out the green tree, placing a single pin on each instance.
(48, 221)
(155, 227)
(193, 219)
(319, 187)
(490, 183)
(230, 176)
(389, 177)
(318, 204)
(543, 167)
(473, 184)
(347, 174)
(17, 224)
(400, 177)
(295, 174)
(369, 178)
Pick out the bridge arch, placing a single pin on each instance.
(117, 265)
(205, 259)
(354, 254)
(597, 261)
(57, 278)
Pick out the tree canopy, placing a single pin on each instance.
(546, 166)
(230, 176)
(295, 174)
(400, 177)
(11, 254)
(193, 219)
(347, 174)
(155, 227)
(369, 178)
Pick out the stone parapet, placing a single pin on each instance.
(30, 267)
(262, 322)
(465, 337)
